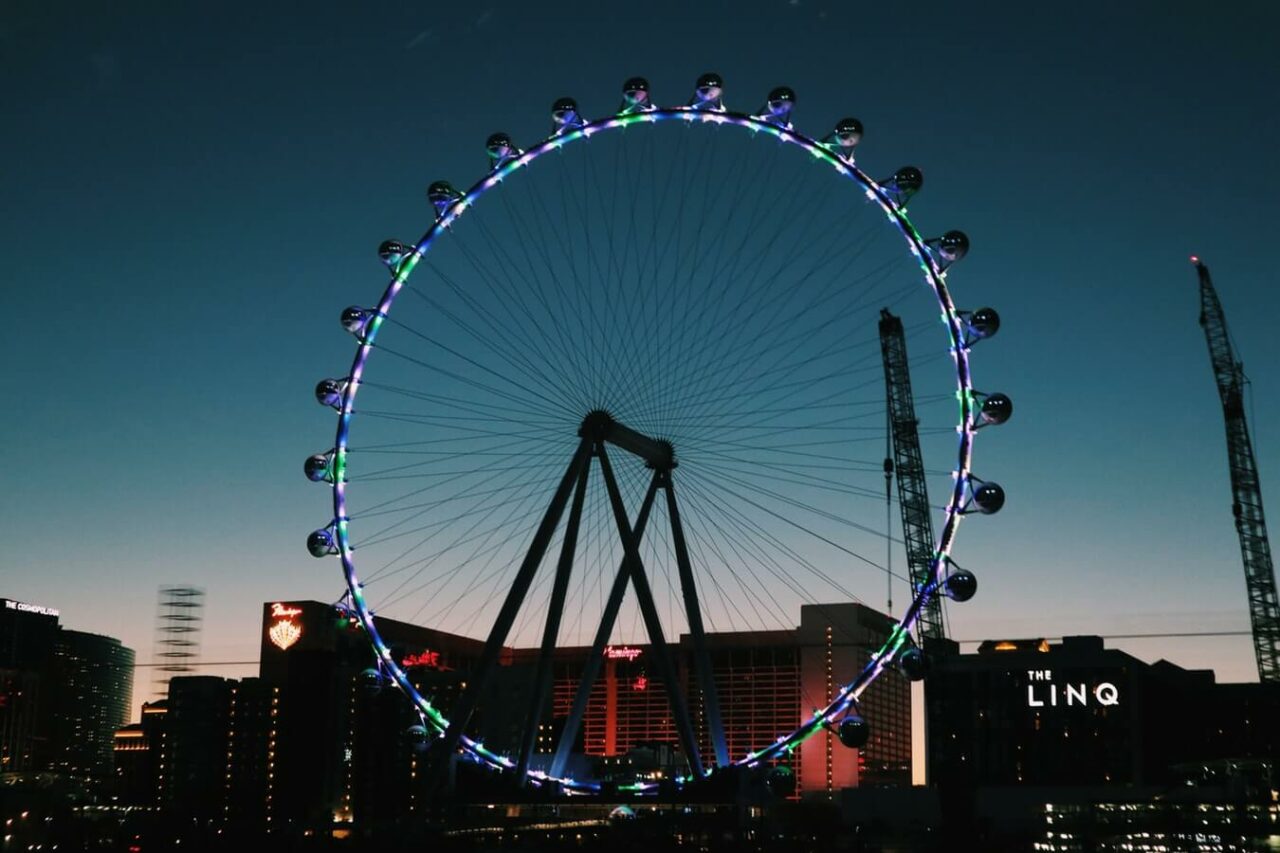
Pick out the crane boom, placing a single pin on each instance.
(1246, 492)
(913, 494)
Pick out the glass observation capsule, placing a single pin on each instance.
(635, 96)
(854, 731)
(319, 468)
(371, 679)
(844, 138)
(708, 93)
(980, 324)
(781, 781)
(355, 319)
(949, 248)
(321, 543)
(904, 184)
(392, 252)
(329, 392)
(442, 195)
(989, 498)
(778, 106)
(960, 585)
(565, 115)
(996, 409)
(914, 664)
(500, 149)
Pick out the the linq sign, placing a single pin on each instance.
(1043, 691)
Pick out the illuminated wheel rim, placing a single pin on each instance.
(932, 268)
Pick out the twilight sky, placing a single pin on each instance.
(192, 192)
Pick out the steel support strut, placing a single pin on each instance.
(591, 669)
(461, 713)
(701, 657)
(653, 624)
(555, 611)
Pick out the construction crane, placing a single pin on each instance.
(1246, 494)
(907, 462)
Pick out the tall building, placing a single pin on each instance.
(249, 781)
(27, 632)
(90, 695)
(194, 755)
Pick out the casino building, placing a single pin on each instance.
(344, 752)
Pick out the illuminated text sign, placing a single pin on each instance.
(284, 611)
(621, 652)
(23, 607)
(1044, 691)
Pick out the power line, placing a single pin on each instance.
(202, 664)
(1152, 636)
(1168, 635)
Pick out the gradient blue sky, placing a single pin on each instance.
(191, 193)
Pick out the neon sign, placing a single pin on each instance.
(425, 658)
(641, 683)
(23, 607)
(627, 653)
(1042, 690)
(284, 634)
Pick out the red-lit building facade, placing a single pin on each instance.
(768, 682)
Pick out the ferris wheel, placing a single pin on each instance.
(628, 386)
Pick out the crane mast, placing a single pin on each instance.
(1246, 493)
(913, 494)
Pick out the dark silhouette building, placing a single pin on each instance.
(249, 782)
(1031, 713)
(90, 696)
(139, 757)
(194, 755)
(27, 633)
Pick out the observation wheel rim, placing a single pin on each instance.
(935, 277)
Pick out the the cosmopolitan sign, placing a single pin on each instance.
(23, 607)
(1044, 691)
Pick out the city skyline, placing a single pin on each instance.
(231, 207)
